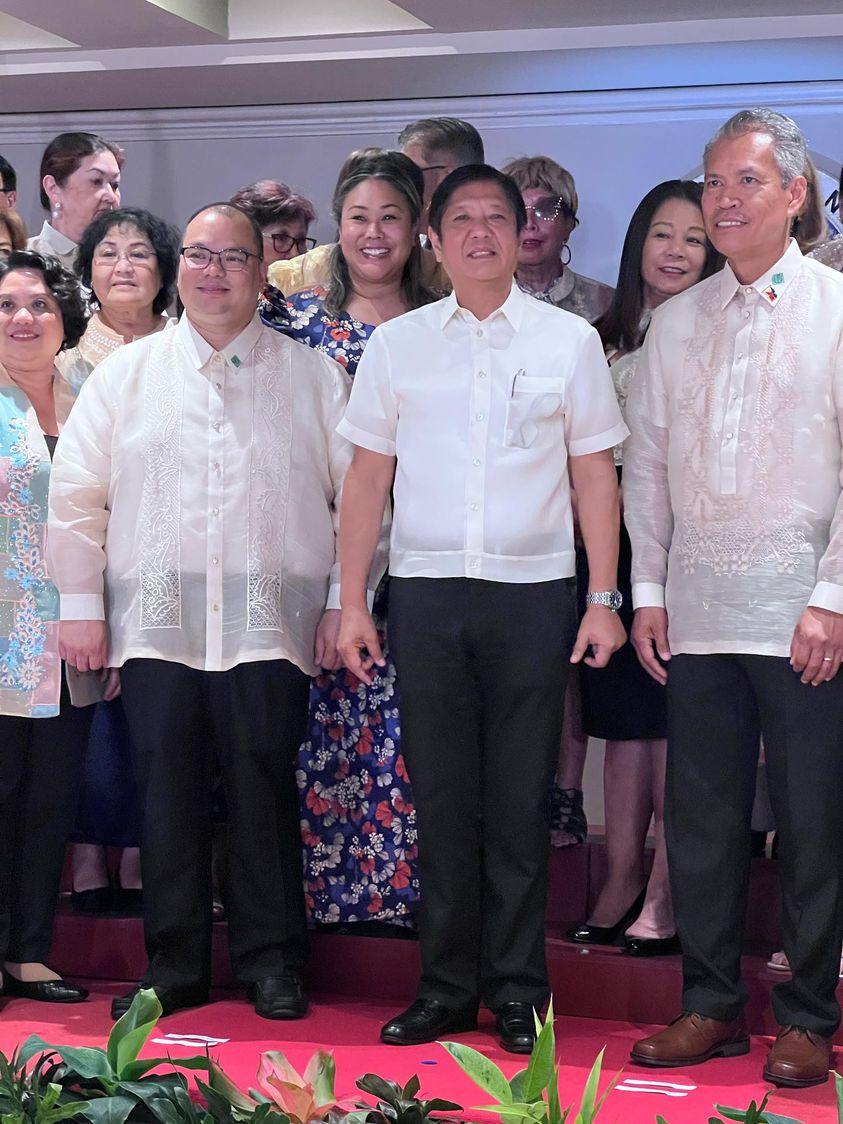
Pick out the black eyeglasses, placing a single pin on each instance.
(233, 259)
(283, 243)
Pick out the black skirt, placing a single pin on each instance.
(620, 702)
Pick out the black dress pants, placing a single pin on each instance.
(481, 672)
(717, 707)
(249, 722)
(40, 785)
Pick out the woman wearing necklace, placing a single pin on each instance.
(42, 736)
(128, 259)
(358, 822)
(80, 180)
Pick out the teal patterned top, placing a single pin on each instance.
(30, 668)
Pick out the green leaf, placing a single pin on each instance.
(389, 1091)
(134, 1070)
(774, 1118)
(516, 1085)
(554, 1109)
(481, 1070)
(320, 1073)
(411, 1089)
(109, 1110)
(88, 1062)
(70, 1111)
(838, 1081)
(438, 1105)
(130, 1032)
(542, 1062)
(511, 1111)
(589, 1096)
(223, 1085)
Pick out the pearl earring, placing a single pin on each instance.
(55, 211)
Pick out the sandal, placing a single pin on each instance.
(568, 825)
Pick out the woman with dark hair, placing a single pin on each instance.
(358, 821)
(665, 252)
(42, 736)
(12, 232)
(80, 180)
(282, 215)
(128, 258)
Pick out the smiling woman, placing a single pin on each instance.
(358, 819)
(42, 735)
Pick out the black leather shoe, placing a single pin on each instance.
(92, 902)
(652, 946)
(171, 999)
(45, 991)
(516, 1027)
(278, 997)
(607, 934)
(425, 1021)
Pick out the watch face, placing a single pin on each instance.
(616, 600)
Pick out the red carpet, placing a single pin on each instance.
(350, 1028)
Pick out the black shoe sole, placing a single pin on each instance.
(420, 1040)
(731, 1050)
(283, 1013)
(516, 1047)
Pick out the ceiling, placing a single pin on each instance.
(134, 54)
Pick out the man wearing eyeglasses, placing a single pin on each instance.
(8, 185)
(193, 521)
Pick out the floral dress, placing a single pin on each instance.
(358, 821)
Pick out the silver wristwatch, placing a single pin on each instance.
(612, 599)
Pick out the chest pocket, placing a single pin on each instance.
(531, 404)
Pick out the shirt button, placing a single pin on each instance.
(746, 315)
(480, 333)
(216, 466)
(216, 426)
(475, 507)
(215, 511)
(215, 607)
(215, 561)
(480, 417)
(481, 374)
(476, 462)
(740, 356)
(218, 385)
(474, 563)
(729, 436)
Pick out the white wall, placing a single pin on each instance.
(616, 144)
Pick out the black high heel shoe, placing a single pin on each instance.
(607, 934)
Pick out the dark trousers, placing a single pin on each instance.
(717, 707)
(248, 722)
(481, 671)
(40, 781)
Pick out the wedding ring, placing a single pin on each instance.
(827, 659)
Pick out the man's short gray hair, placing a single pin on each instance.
(789, 149)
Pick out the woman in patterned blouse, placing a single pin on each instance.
(128, 259)
(358, 821)
(42, 736)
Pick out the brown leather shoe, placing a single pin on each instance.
(799, 1058)
(691, 1039)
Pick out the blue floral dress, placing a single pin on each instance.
(358, 821)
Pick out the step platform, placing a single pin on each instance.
(600, 983)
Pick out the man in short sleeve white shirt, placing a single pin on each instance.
(477, 406)
(734, 508)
